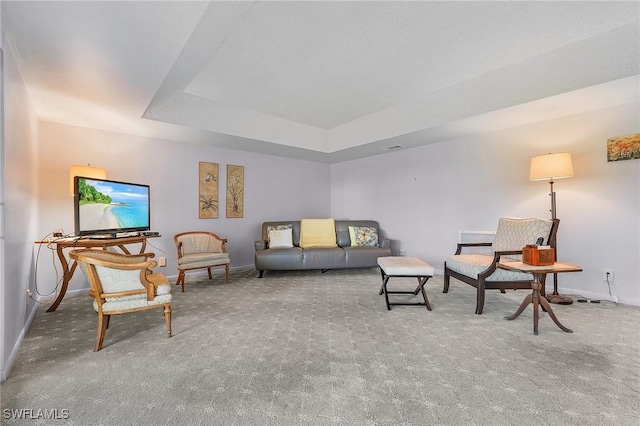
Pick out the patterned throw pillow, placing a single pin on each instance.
(363, 236)
(277, 228)
(281, 238)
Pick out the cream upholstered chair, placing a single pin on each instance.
(123, 283)
(198, 250)
(481, 271)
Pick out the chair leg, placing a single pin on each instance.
(446, 280)
(103, 321)
(480, 299)
(107, 321)
(210, 276)
(180, 280)
(167, 318)
(226, 270)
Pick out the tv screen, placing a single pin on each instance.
(110, 207)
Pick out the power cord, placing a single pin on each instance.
(612, 298)
(50, 239)
(159, 249)
(55, 268)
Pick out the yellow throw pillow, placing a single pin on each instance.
(317, 233)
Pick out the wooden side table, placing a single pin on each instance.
(535, 297)
(80, 242)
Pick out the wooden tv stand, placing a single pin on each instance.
(82, 242)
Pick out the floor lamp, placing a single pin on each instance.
(550, 167)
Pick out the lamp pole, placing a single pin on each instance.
(553, 200)
(552, 194)
(555, 297)
(550, 167)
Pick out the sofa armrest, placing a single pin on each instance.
(260, 245)
(385, 243)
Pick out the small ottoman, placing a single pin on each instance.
(400, 266)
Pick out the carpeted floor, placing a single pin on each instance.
(306, 348)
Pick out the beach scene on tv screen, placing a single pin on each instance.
(112, 205)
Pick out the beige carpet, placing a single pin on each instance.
(298, 348)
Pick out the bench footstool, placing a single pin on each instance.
(400, 266)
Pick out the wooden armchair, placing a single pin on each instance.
(123, 283)
(199, 250)
(481, 270)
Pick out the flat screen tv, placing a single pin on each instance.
(103, 207)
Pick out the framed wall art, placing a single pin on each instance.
(235, 191)
(623, 148)
(208, 190)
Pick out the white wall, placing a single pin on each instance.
(275, 188)
(424, 196)
(19, 168)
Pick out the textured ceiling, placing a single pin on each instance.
(325, 81)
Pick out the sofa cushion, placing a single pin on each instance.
(363, 236)
(364, 256)
(279, 259)
(281, 238)
(323, 258)
(317, 233)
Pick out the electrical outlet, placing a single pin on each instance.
(401, 252)
(162, 261)
(607, 275)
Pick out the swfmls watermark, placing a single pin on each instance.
(35, 414)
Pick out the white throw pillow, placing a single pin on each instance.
(280, 238)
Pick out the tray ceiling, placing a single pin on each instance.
(323, 81)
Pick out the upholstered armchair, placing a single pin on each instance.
(199, 250)
(123, 283)
(481, 271)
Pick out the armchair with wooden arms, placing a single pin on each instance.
(199, 250)
(481, 271)
(123, 283)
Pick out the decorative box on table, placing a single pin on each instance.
(538, 255)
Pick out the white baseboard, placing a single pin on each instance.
(4, 373)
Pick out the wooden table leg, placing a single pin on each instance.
(545, 304)
(527, 300)
(421, 282)
(538, 301)
(66, 277)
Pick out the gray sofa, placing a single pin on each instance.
(297, 258)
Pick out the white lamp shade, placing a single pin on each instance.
(85, 171)
(551, 166)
